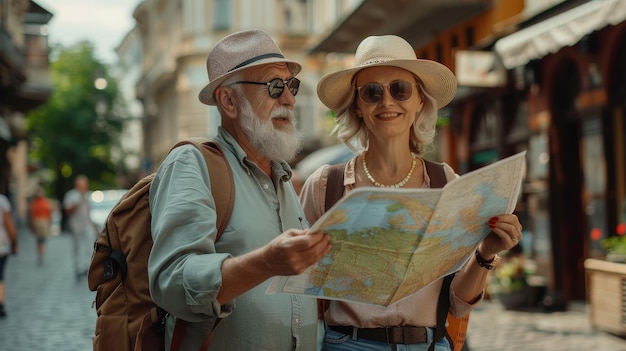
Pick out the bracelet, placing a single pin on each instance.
(489, 265)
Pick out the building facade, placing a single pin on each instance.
(25, 83)
(176, 37)
(128, 70)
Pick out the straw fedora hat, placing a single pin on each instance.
(239, 51)
(336, 89)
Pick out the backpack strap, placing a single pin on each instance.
(436, 174)
(334, 185)
(438, 179)
(443, 305)
(221, 177)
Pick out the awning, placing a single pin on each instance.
(564, 29)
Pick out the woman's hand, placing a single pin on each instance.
(506, 232)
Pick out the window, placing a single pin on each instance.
(439, 53)
(3, 11)
(222, 14)
(193, 16)
(484, 137)
(454, 41)
(296, 18)
(469, 36)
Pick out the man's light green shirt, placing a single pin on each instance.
(184, 265)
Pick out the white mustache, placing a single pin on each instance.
(283, 112)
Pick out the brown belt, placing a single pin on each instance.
(392, 335)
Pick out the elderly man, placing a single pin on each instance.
(198, 279)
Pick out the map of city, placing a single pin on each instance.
(389, 243)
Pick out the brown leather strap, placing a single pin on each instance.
(436, 174)
(221, 178)
(207, 341)
(334, 185)
(179, 330)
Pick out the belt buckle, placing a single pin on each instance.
(405, 335)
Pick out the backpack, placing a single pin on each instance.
(456, 328)
(128, 318)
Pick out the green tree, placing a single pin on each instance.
(77, 129)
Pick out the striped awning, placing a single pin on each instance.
(564, 29)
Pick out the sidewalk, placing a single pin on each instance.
(47, 308)
(491, 328)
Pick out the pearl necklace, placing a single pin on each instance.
(397, 185)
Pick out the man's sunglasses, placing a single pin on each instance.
(372, 93)
(276, 86)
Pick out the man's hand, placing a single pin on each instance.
(293, 251)
(290, 253)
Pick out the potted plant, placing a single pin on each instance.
(615, 247)
(605, 283)
(509, 281)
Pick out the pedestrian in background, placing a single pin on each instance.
(387, 103)
(76, 207)
(198, 279)
(8, 245)
(40, 221)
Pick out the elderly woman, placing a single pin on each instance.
(388, 103)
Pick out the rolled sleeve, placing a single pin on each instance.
(460, 308)
(201, 284)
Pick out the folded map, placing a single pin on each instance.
(388, 243)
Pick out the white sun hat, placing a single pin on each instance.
(336, 89)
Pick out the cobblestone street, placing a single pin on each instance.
(492, 328)
(47, 307)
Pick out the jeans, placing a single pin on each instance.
(81, 251)
(336, 341)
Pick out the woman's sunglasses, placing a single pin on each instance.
(372, 93)
(276, 86)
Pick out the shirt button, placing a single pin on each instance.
(265, 186)
(297, 320)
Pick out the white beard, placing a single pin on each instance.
(275, 144)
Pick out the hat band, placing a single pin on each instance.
(257, 58)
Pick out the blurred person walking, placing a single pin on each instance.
(76, 207)
(8, 244)
(40, 221)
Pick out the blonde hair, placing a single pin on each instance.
(350, 127)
